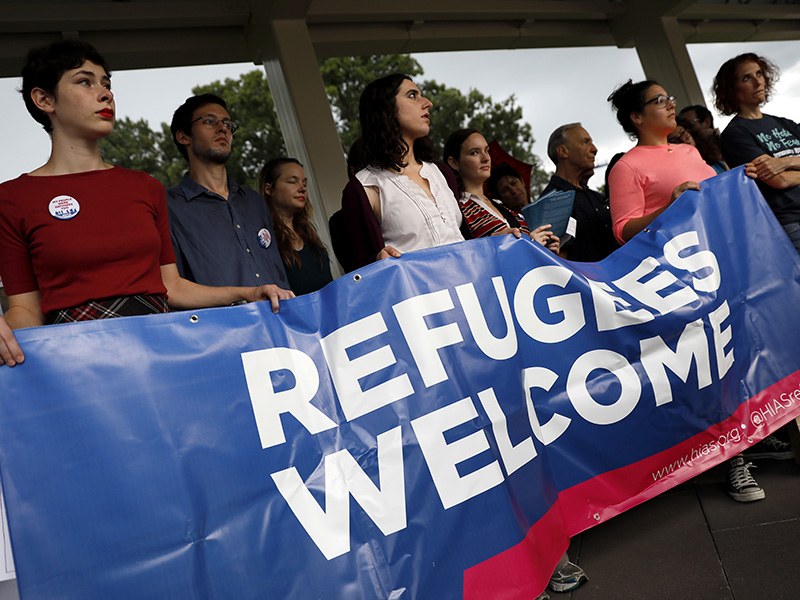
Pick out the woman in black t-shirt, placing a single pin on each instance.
(769, 146)
(283, 184)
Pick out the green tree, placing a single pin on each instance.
(502, 121)
(259, 139)
(134, 145)
(345, 79)
(172, 164)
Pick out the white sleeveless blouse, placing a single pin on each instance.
(410, 220)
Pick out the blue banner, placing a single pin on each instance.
(430, 427)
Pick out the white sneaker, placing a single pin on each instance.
(567, 578)
(741, 485)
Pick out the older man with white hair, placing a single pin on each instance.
(572, 151)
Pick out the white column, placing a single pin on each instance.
(655, 32)
(284, 47)
(664, 58)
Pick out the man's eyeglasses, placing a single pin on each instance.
(661, 101)
(213, 121)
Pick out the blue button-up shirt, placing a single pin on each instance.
(220, 241)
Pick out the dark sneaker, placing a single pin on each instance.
(769, 447)
(567, 578)
(741, 485)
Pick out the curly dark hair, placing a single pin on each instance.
(452, 149)
(301, 222)
(384, 145)
(724, 87)
(630, 98)
(44, 67)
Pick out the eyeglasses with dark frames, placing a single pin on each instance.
(213, 121)
(661, 101)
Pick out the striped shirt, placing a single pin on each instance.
(482, 220)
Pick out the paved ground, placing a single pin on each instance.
(696, 543)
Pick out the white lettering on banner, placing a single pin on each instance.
(647, 292)
(721, 338)
(346, 372)
(789, 398)
(434, 330)
(330, 528)
(656, 355)
(425, 342)
(539, 377)
(569, 305)
(493, 347)
(583, 402)
(514, 456)
(608, 316)
(693, 263)
(442, 457)
(269, 405)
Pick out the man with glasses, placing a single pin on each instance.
(222, 232)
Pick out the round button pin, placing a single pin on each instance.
(264, 238)
(64, 207)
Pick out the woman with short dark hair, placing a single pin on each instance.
(81, 239)
(506, 184)
(768, 145)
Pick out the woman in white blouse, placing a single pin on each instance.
(401, 201)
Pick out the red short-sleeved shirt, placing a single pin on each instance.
(84, 236)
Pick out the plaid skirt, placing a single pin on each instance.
(109, 308)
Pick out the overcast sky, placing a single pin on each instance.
(553, 87)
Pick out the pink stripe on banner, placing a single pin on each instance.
(614, 492)
(522, 571)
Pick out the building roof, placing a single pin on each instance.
(168, 33)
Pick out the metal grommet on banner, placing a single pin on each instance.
(194, 318)
(596, 517)
(357, 277)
